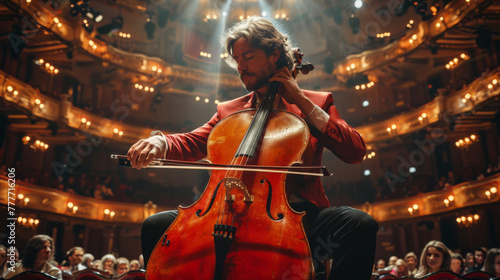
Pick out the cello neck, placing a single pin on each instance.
(249, 143)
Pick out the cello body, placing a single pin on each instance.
(242, 226)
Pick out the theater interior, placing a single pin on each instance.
(84, 80)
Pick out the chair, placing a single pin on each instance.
(133, 275)
(478, 275)
(67, 276)
(91, 275)
(105, 274)
(33, 275)
(441, 275)
(388, 277)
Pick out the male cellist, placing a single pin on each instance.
(262, 54)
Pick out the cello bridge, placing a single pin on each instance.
(233, 183)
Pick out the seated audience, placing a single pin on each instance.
(435, 257)
(87, 260)
(74, 257)
(479, 254)
(141, 262)
(412, 262)
(469, 262)
(134, 265)
(36, 257)
(107, 263)
(400, 268)
(492, 262)
(121, 266)
(3, 260)
(96, 264)
(380, 264)
(457, 264)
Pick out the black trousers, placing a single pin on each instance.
(342, 233)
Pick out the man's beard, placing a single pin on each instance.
(252, 86)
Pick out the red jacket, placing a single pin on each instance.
(337, 136)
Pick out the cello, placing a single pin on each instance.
(243, 219)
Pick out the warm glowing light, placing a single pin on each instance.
(37, 101)
(197, 98)
(415, 206)
(106, 211)
(120, 133)
(115, 130)
(451, 198)
(20, 196)
(83, 120)
(393, 126)
(493, 190)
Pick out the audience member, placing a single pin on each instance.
(400, 268)
(492, 262)
(87, 260)
(74, 257)
(469, 262)
(121, 266)
(435, 257)
(412, 263)
(3, 260)
(37, 256)
(96, 264)
(141, 262)
(134, 265)
(380, 264)
(107, 263)
(457, 264)
(479, 254)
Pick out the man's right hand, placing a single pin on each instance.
(145, 150)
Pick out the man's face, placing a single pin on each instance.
(44, 253)
(479, 257)
(411, 262)
(254, 66)
(76, 257)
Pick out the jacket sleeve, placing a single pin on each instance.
(190, 146)
(337, 136)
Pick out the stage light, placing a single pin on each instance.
(358, 4)
(94, 15)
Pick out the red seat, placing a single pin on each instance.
(441, 275)
(33, 275)
(91, 275)
(103, 274)
(478, 275)
(133, 275)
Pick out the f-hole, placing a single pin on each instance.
(268, 204)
